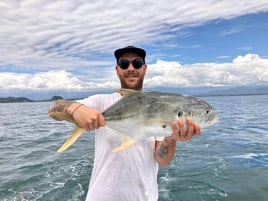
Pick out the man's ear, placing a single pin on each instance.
(117, 70)
(145, 69)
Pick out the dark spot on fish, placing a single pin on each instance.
(180, 113)
(164, 126)
(191, 114)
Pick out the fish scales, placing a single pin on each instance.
(152, 105)
(144, 105)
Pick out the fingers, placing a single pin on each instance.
(178, 130)
(94, 122)
(88, 118)
(97, 122)
(190, 127)
(197, 129)
(179, 127)
(101, 120)
(184, 132)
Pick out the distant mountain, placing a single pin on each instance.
(24, 99)
(55, 98)
(15, 100)
(215, 91)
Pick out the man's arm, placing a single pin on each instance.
(68, 107)
(166, 149)
(86, 117)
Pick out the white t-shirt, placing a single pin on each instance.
(129, 175)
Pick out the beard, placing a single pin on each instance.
(135, 86)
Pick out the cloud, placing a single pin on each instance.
(51, 80)
(50, 34)
(68, 45)
(229, 32)
(244, 70)
(246, 58)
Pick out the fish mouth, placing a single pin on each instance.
(213, 120)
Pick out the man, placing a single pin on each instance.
(129, 175)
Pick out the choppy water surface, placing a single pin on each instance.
(229, 161)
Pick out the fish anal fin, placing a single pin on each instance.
(77, 132)
(127, 142)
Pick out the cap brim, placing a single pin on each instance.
(119, 52)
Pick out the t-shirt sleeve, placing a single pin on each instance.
(100, 101)
(92, 101)
(159, 138)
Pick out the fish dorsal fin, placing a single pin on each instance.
(127, 92)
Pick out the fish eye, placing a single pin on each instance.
(207, 111)
(180, 113)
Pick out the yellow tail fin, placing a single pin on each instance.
(77, 132)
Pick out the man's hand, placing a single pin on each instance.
(166, 149)
(85, 117)
(88, 118)
(184, 132)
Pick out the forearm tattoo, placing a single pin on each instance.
(163, 149)
(60, 106)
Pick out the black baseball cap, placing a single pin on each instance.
(139, 51)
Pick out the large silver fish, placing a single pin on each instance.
(139, 115)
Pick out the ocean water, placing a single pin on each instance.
(228, 162)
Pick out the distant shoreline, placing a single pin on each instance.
(25, 100)
(15, 100)
(55, 98)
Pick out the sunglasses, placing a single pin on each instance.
(124, 63)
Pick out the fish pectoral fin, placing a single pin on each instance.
(127, 142)
(77, 132)
(161, 122)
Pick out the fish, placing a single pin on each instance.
(139, 115)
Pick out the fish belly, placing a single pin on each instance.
(139, 130)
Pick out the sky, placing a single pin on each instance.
(67, 46)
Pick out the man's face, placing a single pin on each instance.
(131, 78)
